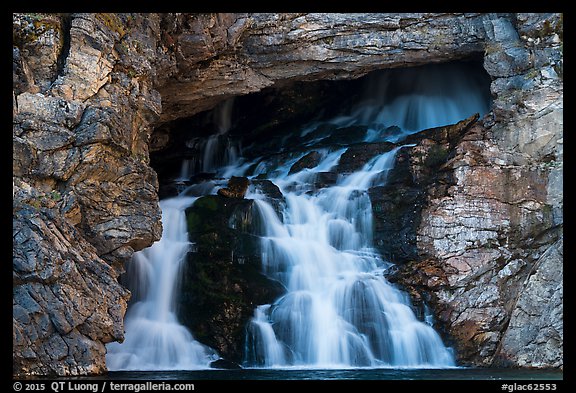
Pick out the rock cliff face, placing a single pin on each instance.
(84, 196)
(496, 231)
(93, 94)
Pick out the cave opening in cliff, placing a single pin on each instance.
(297, 253)
(289, 116)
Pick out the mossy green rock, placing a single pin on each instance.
(222, 281)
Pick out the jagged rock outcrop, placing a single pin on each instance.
(67, 302)
(398, 204)
(261, 50)
(79, 142)
(535, 331)
(485, 236)
(88, 90)
(479, 249)
(486, 239)
(523, 187)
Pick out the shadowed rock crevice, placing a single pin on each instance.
(65, 51)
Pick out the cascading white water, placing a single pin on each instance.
(339, 310)
(415, 99)
(219, 150)
(154, 339)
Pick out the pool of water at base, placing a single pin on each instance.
(458, 373)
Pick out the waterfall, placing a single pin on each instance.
(186, 170)
(219, 150)
(216, 152)
(222, 115)
(339, 309)
(154, 338)
(398, 102)
(415, 99)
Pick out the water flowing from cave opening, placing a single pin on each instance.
(219, 150)
(154, 338)
(398, 102)
(339, 309)
(216, 153)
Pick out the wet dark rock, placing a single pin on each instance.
(268, 188)
(325, 179)
(358, 155)
(266, 120)
(222, 281)
(449, 135)
(272, 193)
(237, 187)
(225, 364)
(170, 190)
(340, 136)
(310, 160)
